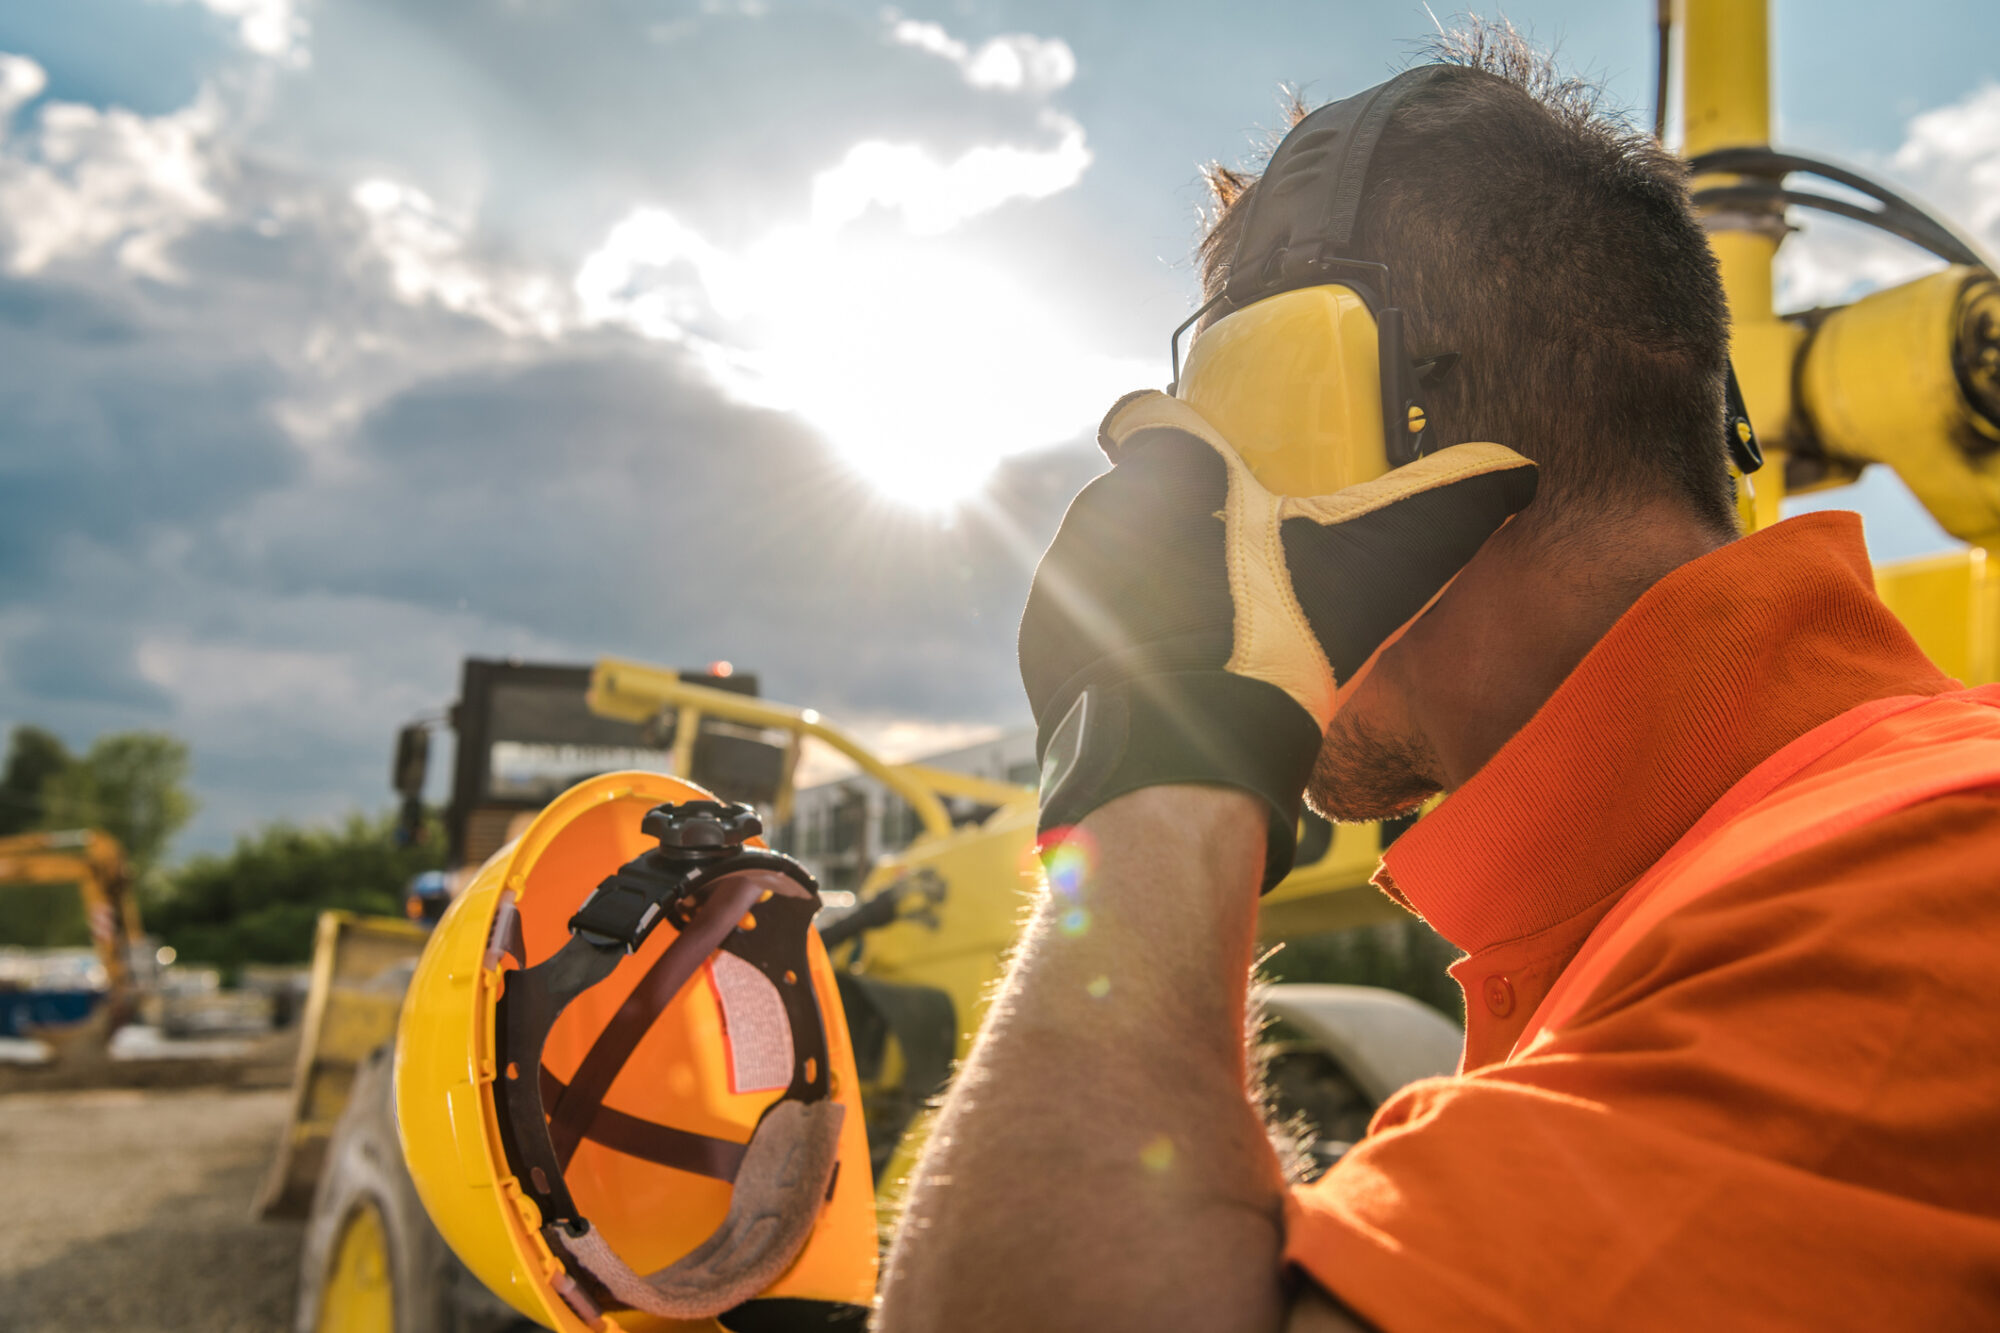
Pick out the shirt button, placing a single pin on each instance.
(1498, 993)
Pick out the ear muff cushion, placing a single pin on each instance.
(786, 1174)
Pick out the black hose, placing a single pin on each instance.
(1762, 161)
(1918, 229)
(1899, 216)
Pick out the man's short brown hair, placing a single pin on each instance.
(1555, 250)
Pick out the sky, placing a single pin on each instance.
(340, 339)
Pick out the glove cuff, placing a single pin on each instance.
(1208, 728)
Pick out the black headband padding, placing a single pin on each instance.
(1301, 214)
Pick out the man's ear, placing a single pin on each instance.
(1313, 1311)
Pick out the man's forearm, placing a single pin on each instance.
(1098, 1163)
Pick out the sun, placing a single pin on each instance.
(923, 364)
(925, 368)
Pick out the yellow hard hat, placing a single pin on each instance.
(586, 1064)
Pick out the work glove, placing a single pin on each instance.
(1189, 626)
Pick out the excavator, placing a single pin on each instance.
(75, 1022)
(1906, 378)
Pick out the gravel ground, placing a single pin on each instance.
(128, 1211)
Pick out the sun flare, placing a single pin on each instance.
(923, 362)
(925, 369)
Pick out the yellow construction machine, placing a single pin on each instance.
(1907, 377)
(68, 889)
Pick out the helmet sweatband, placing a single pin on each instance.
(789, 1161)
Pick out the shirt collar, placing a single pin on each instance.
(1719, 665)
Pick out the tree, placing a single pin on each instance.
(131, 784)
(259, 903)
(33, 757)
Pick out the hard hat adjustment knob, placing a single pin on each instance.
(702, 825)
(700, 842)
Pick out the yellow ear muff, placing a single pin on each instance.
(1294, 383)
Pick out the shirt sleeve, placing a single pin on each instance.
(1777, 1111)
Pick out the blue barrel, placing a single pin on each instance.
(22, 1011)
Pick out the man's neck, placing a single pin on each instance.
(1522, 616)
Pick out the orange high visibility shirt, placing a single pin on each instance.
(1767, 1099)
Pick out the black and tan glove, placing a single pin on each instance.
(1189, 626)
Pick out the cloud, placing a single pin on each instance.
(116, 434)
(1949, 161)
(426, 250)
(933, 196)
(292, 700)
(272, 28)
(547, 123)
(83, 179)
(21, 82)
(70, 660)
(305, 394)
(1957, 148)
(1012, 62)
(924, 366)
(610, 501)
(922, 361)
(658, 276)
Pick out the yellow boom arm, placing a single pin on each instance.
(636, 692)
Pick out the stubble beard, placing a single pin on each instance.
(1363, 774)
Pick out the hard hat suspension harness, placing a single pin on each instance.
(722, 898)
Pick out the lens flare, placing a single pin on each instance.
(1068, 856)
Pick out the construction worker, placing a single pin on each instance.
(1722, 848)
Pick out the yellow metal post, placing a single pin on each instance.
(1726, 103)
(687, 729)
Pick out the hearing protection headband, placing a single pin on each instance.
(722, 897)
(1299, 225)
